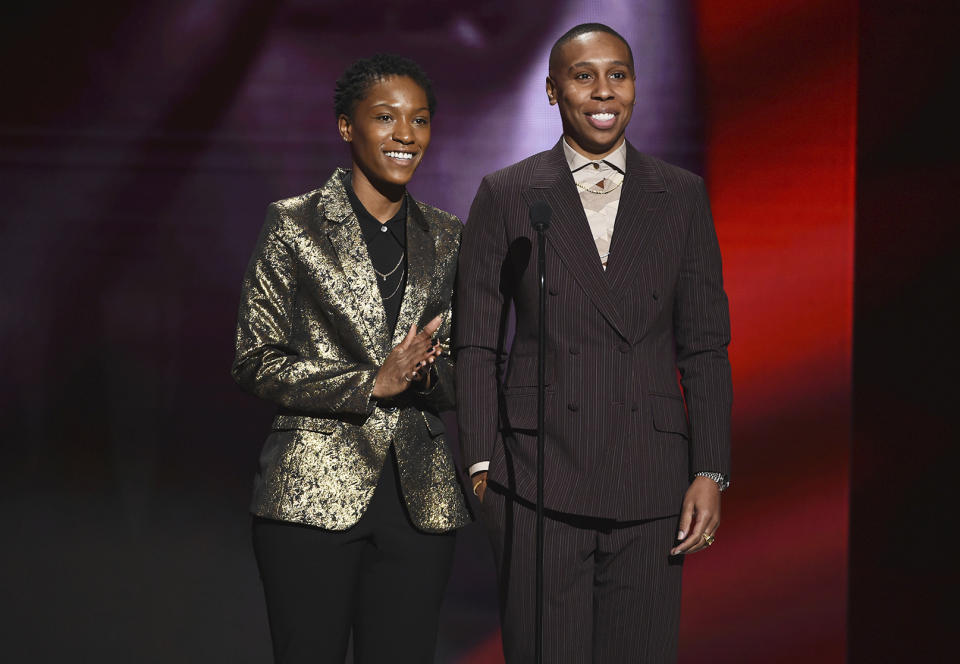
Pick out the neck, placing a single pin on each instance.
(594, 153)
(382, 200)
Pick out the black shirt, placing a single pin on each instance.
(386, 245)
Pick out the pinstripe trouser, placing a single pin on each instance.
(611, 589)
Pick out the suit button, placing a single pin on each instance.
(553, 291)
(635, 407)
(656, 295)
(624, 348)
(574, 350)
(572, 406)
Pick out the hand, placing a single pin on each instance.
(423, 376)
(700, 514)
(401, 366)
(479, 481)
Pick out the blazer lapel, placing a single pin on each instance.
(344, 233)
(569, 232)
(420, 261)
(642, 197)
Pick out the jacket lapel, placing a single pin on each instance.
(569, 232)
(642, 197)
(344, 233)
(420, 262)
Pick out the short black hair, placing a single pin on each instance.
(355, 82)
(582, 29)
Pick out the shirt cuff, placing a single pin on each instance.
(478, 467)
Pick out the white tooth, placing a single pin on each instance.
(603, 117)
(400, 155)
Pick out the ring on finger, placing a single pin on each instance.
(708, 538)
(409, 380)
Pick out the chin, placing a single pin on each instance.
(397, 180)
(597, 141)
(601, 144)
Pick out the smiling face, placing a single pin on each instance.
(389, 132)
(591, 80)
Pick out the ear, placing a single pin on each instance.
(551, 91)
(345, 128)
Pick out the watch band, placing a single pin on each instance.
(719, 478)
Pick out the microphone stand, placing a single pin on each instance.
(540, 215)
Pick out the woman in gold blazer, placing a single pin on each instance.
(344, 322)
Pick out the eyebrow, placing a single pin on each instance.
(587, 63)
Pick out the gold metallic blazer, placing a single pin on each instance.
(311, 336)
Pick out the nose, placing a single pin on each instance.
(601, 90)
(403, 133)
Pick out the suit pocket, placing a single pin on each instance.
(669, 415)
(519, 410)
(304, 422)
(522, 374)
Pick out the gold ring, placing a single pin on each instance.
(407, 379)
(476, 486)
(708, 538)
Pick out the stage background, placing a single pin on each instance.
(903, 579)
(139, 146)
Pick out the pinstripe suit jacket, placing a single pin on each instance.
(623, 435)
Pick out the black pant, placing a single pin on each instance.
(383, 579)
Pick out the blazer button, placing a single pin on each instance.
(624, 348)
(574, 350)
(635, 407)
(573, 407)
(553, 291)
(656, 295)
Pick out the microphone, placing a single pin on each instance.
(540, 216)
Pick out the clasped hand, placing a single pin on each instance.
(408, 362)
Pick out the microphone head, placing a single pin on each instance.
(540, 215)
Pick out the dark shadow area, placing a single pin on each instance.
(907, 283)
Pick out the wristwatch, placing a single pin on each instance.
(719, 478)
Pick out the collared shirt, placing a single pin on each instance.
(599, 184)
(387, 246)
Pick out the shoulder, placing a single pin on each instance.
(440, 221)
(515, 176)
(296, 206)
(289, 218)
(674, 178)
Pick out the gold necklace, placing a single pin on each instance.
(397, 289)
(601, 193)
(384, 276)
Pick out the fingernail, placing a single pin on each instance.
(681, 535)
